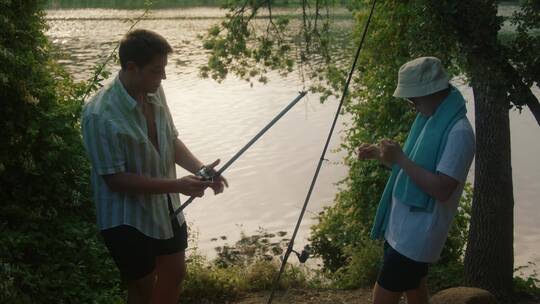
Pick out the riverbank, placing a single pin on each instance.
(358, 296)
(304, 296)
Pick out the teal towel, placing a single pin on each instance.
(424, 146)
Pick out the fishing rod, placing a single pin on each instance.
(303, 256)
(209, 175)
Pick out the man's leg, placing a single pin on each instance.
(418, 295)
(170, 272)
(384, 296)
(140, 291)
(132, 252)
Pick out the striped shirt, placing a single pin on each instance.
(115, 137)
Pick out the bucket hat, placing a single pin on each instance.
(420, 77)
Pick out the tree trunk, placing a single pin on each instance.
(489, 258)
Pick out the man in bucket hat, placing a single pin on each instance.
(422, 194)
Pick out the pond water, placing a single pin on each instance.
(270, 181)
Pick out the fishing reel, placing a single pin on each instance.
(206, 174)
(304, 255)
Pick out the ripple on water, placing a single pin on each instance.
(269, 183)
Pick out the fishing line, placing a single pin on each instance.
(303, 256)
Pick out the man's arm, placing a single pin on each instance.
(138, 184)
(184, 158)
(437, 185)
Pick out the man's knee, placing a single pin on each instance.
(384, 296)
(140, 291)
(171, 267)
(418, 295)
(179, 273)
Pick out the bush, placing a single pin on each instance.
(526, 282)
(361, 268)
(250, 264)
(443, 276)
(58, 262)
(48, 240)
(207, 282)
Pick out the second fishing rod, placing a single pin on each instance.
(305, 253)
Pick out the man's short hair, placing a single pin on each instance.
(142, 46)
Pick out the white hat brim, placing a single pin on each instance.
(424, 89)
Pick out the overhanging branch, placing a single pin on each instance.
(520, 93)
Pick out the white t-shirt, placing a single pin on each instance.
(419, 235)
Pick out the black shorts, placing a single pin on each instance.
(399, 273)
(135, 253)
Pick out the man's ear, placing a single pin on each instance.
(131, 67)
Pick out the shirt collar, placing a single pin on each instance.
(154, 98)
(130, 102)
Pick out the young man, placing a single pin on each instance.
(423, 191)
(133, 146)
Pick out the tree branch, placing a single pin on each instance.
(271, 22)
(520, 93)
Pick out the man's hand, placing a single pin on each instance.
(219, 182)
(369, 151)
(390, 151)
(192, 185)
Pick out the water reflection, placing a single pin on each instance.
(85, 37)
(269, 183)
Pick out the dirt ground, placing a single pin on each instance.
(359, 296)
